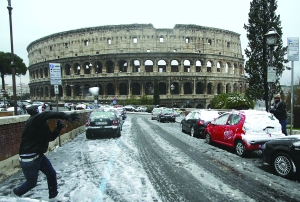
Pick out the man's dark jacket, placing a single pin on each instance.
(37, 134)
(279, 110)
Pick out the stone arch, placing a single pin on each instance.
(149, 89)
(219, 65)
(76, 68)
(68, 69)
(219, 88)
(122, 66)
(209, 65)
(136, 66)
(235, 87)
(174, 66)
(136, 88)
(210, 88)
(228, 88)
(187, 66)
(148, 66)
(162, 66)
(187, 88)
(98, 67)
(162, 88)
(110, 66)
(176, 88)
(68, 90)
(41, 73)
(198, 65)
(123, 89)
(200, 87)
(110, 89)
(227, 65)
(199, 106)
(86, 91)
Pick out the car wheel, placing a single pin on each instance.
(283, 165)
(208, 138)
(182, 130)
(240, 148)
(192, 131)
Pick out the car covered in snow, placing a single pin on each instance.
(197, 120)
(283, 155)
(244, 130)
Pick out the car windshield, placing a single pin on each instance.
(102, 114)
(209, 115)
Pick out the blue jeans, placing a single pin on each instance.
(31, 170)
(283, 126)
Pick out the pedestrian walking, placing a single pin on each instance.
(50, 106)
(278, 108)
(35, 140)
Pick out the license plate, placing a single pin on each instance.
(101, 123)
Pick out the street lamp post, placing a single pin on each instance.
(12, 64)
(272, 39)
(172, 88)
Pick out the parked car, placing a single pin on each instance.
(129, 108)
(102, 123)
(155, 113)
(68, 105)
(196, 121)
(166, 115)
(81, 106)
(244, 130)
(283, 155)
(38, 103)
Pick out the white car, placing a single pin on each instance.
(19, 110)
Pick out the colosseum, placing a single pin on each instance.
(126, 60)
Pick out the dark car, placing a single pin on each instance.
(196, 121)
(102, 124)
(283, 155)
(166, 115)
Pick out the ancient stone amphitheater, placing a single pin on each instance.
(125, 60)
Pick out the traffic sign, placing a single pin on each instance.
(55, 74)
(271, 74)
(293, 48)
(56, 90)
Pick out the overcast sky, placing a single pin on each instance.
(34, 19)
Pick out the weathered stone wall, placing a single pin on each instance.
(124, 60)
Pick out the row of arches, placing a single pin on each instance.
(116, 66)
(140, 88)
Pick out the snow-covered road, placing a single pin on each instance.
(154, 161)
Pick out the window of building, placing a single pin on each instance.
(228, 44)
(50, 48)
(108, 41)
(187, 40)
(148, 50)
(86, 42)
(209, 41)
(161, 39)
(66, 45)
(134, 39)
(175, 50)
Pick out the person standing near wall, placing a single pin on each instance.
(278, 108)
(35, 140)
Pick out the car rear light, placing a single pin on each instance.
(114, 123)
(201, 123)
(88, 123)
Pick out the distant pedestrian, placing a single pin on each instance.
(278, 108)
(24, 108)
(50, 106)
(34, 143)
